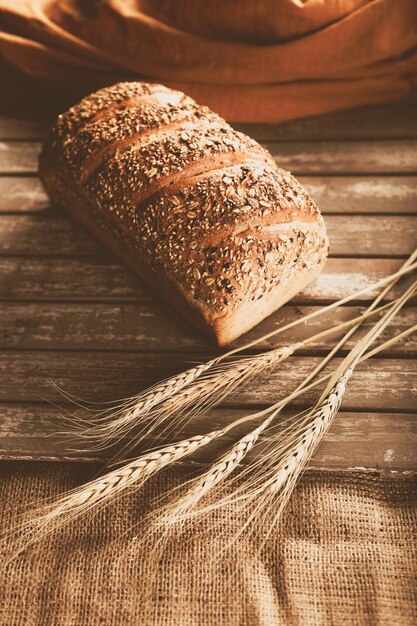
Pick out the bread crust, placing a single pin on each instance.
(199, 210)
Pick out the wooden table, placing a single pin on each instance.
(73, 315)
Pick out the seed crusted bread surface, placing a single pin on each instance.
(101, 139)
(126, 180)
(107, 100)
(226, 236)
(203, 207)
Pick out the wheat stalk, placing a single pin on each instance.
(309, 432)
(190, 399)
(133, 409)
(272, 480)
(100, 491)
(228, 462)
(184, 507)
(269, 487)
(195, 390)
(194, 396)
(198, 488)
(135, 473)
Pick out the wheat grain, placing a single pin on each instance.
(271, 481)
(133, 475)
(182, 509)
(275, 476)
(112, 423)
(316, 425)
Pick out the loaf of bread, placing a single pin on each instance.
(198, 209)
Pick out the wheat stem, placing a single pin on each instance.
(408, 267)
(100, 491)
(370, 309)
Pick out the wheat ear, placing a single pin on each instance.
(135, 408)
(98, 492)
(152, 407)
(189, 400)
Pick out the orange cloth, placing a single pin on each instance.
(263, 61)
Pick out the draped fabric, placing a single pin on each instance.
(264, 61)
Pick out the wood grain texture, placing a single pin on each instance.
(102, 278)
(151, 326)
(22, 194)
(396, 120)
(361, 195)
(381, 384)
(359, 157)
(70, 313)
(354, 195)
(368, 236)
(19, 157)
(300, 157)
(386, 440)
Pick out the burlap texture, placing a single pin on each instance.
(344, 554)
(264, 61)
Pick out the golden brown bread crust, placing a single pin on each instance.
(101, 139)
(112, 99)
(197, 208)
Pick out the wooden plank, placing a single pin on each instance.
(334, 194)
(381, 440)
(380, 121)
(70, 279)
(46, 236)
(300, 157)
(22, 195)
(14, 127)
(364, 194)
(150, 326)
(103, 278)
(370, 236)
(381, 385)
(393, 120)
(355, 157)
(19, 157)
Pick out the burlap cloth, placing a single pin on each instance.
(344, 554)
(264, 61)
